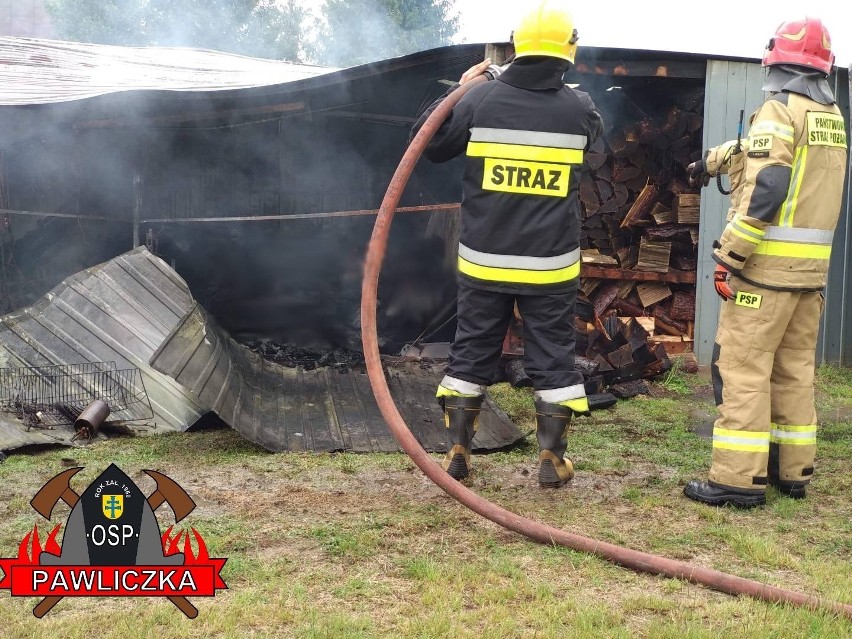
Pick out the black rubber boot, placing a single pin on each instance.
(552, 422)
(796, 490)
(460, 417)
(715, 495)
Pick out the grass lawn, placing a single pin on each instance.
(345, 546)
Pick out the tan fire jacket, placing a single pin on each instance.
(787, 190)
(728, 159)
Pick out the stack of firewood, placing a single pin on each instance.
(640, 226)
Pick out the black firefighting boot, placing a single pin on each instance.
(552, 421)
(461, 417)
(713, 494)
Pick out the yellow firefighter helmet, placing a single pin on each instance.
(547, 30)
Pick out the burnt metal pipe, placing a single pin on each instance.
(89, 422)
(542, 533)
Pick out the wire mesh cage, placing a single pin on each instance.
(57, 394)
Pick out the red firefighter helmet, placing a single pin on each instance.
(805, 43)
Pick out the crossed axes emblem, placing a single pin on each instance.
(168, 491)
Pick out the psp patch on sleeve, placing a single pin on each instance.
(759, 146)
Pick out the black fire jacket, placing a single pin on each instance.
(524, 135)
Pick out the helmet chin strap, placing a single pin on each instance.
(795, 79)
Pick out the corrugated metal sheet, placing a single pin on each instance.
(835, 341)
(730, 87)
(36, 71)
(119, 311)
(322, 410)
(134, 310)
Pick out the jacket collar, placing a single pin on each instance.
(535, 73)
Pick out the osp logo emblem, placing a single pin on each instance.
(112, 546)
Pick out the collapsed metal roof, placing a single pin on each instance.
(36, 71)
(134, 309)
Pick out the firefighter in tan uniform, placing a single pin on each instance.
(772, 261)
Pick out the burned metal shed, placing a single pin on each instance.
(260, 196)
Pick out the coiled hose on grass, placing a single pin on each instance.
(542, 533)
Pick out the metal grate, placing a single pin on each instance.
(54, 395)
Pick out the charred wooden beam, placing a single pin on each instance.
(674, 277)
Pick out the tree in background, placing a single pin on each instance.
(349, 32)
(260, 28)
(358, 31)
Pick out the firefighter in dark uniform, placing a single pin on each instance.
(772, 261)
(524, 134)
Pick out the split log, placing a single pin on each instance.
(604, 298)
(671, 344)
(589, 284)
(623, 144)
(662, 214)
(625, 288)
(666, 324)
(609, 207)
(696, 122)
(624, 172)
(642, 206)
(621, 357)
(623, 255)
(626, 309)
(605, 189)
(648, 323)
(638, 183)
(586, 366)
(667, 232)
(686, 263)
(654, 256)
(678, 186)
(652, 292)
(594, 221)
(588, 195)
(683, 306)
(686, 207)
(638, 157)
(649, 133)
(621, 194)
(595, 160)
(594, 256)
(676, 123)
(604, 173)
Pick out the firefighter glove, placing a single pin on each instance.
(483, 68)
(721, 281)
(697, 172)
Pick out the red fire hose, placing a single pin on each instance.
(633, 559)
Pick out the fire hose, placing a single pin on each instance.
(633, 559)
